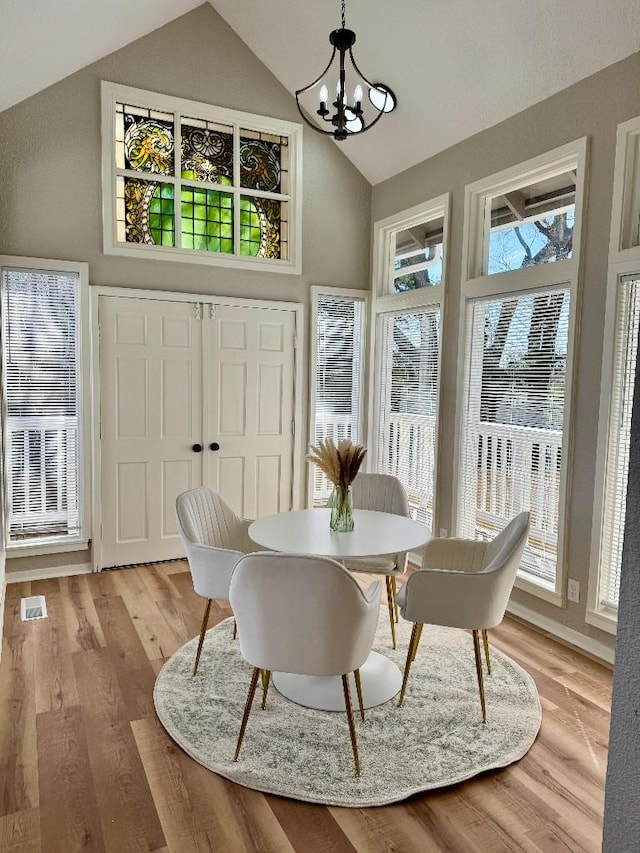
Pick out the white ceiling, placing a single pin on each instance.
(456, 66)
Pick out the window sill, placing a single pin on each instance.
(53, 547)
(546, 592)
(602, 621)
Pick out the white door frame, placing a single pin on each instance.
(207, 299)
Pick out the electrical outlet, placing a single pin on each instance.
(443, 532)
(573, 590)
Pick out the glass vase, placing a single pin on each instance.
(341, 509)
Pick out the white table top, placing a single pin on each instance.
(307, 531)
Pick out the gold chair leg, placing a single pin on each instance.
(485, 639)
(235, 629)
(417, 642)
(247, 709)
(476, 648)
(352, 727)
(410, 656)
(395, 597)
(266, 676)
(391, 614)
(356, 675)
(203, 631)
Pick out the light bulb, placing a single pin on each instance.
(324, 94)
(357, 95)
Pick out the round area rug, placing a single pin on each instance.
(435, 739)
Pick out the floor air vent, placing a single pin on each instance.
(34, 607)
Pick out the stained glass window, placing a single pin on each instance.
(197, 179)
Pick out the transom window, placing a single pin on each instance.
(185, 180)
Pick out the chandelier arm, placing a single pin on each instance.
(318, 78)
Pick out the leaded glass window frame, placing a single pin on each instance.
(228, 213)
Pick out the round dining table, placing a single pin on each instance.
(375, 534)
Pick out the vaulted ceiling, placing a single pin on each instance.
(457, 66)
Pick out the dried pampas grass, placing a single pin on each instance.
(339, 463)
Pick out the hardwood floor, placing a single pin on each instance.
(85, 765)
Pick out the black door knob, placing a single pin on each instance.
(197, 448)
(214, 446)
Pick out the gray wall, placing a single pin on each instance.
(594, 107)
(622, 799)
(50, 150)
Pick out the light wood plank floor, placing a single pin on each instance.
(85, 765)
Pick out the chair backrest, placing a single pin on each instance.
(301, 614)
(205, 519)
(211, 534)
(381, 493)
(470, 599)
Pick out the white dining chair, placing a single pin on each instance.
(302, 615)
(214, 539)
(463, 583)
(381, 493)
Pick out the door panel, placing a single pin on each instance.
(150, 362)
(248, 399)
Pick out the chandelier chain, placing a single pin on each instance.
(343, 24)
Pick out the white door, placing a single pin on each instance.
(249, 383)
(190, 394)
(151, 417)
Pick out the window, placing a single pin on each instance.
(521, 261)
(189, 181)
(336, 375)
(614, 505)
(513, 420)
(43, 404)
(409, 287)
(408, 406)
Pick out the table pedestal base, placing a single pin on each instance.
(381, 680)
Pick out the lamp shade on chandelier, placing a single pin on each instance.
(344, 100)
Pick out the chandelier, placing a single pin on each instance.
(350, 112)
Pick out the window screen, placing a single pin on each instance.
(513, 423)
(41, 429)
(615, 489)
(409, 404)
(337, 378)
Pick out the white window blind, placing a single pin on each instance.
(41, 401)
(338, 377)
(512, 431)
(627, 324)
(409, 404)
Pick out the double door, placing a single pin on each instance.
(191, 394)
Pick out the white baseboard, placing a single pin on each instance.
(49, 572)
(569, 635)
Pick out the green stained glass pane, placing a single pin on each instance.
(226, 245)
(207, 151)
(226, 230)
(201, 221)
(149, 218)
(260, 163)
(148, 142)
(245, 232)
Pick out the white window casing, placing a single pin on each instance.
(45, 405)
(532, 435)
(409, 287)
(180, 179)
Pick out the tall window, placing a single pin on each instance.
(42, 405)
(185, 180)
(513, 420)
(522, 247)
(337, 375)
(614, 506)
(410, 347)
(409, 284)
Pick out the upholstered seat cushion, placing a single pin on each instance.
(373, 565)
